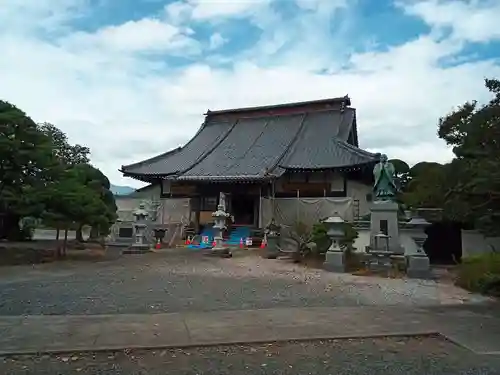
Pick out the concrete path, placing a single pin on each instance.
(476, 330)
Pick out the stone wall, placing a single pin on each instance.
(475, 243)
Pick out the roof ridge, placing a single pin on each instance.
(344, 99)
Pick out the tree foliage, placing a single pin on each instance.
(473, 130)
(26, 168)
(66, 153)
(402, 171)
(43, 176)
(468, 188)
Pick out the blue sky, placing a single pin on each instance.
(132, 78)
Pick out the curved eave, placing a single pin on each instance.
(230, 179)
(341, 168)
(124, 168)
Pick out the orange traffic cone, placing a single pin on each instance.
(263, 243)
(242, 245)
(214, 243)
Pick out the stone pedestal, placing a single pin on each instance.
(417, 261)
(335, 261)
(271, 250)
(384, 219)
(418, 267)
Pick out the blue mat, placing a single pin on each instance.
(208, 232)
(234, 239)
(237, 234)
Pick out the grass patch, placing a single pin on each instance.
(480, 274)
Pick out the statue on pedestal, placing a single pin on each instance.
(384, 188)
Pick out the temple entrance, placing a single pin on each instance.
(243, 209)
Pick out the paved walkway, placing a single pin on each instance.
(477, 329)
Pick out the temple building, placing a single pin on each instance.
(293, 162)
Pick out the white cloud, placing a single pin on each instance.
(125, 106)
(16, 15)
(217, 41)
(144, 35)
(213, 10)
(209, 9)
(178, 12)
(469, 20)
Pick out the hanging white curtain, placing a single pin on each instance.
(307, 210)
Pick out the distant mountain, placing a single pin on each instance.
(121, 190)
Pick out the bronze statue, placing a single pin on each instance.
(384, 188)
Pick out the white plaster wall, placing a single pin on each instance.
(475, 243)
(172, 210)
(359, 191)
(362, 241)
(151, 192)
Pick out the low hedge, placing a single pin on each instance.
(480, 273)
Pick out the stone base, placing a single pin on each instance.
(271, 253)
(418, 267)
(137, 250)
(222, 252)
(335, 261)
(385, 211)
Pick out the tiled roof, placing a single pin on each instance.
(229, 148)
(180, 159)
(322, 147)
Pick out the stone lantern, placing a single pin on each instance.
(418, 264)
(140, 225)
(220, 216)
(335, 256)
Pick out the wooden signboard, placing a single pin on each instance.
(181, 189)
(304, 187)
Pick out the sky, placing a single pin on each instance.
(132, 78)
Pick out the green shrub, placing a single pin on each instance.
(350, 235)
(320, 237)
(480, 273)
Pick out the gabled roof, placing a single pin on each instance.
(261, 143)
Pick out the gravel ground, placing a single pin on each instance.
(176, 282)
(415, 356)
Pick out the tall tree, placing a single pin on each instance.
(67, 153)
(426, 187)
(71, 202)
(26, 168)
(473, 130)
(94, 180)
